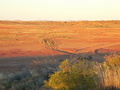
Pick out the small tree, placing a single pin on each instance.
(73, 76)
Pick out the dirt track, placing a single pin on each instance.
(19, 41)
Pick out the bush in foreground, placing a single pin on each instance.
(86, 75)
(73, 76)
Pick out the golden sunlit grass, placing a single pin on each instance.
(111, 72)
(111, 78)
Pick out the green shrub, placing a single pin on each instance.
(73, 76)
(29, 83)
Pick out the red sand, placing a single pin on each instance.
(26, 40)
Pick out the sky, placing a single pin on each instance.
(59, 10)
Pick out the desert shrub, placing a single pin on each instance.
(73, 76)
(1, 76)
(112, 60)
(10, 79)
(86, 75)
(30, 79)
(29, 83)
(5, 81)
(44, 67)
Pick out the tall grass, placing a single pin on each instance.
(109, 73)
(111, 78)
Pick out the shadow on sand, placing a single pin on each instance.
(15, 62)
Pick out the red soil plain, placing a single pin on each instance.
(22, 41)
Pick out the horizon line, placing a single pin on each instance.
(59, 20)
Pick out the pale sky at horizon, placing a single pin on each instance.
(59, 10)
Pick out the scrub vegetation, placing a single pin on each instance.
(66, 75)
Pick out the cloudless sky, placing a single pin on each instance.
(59, 10)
